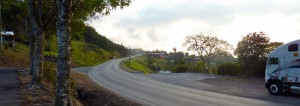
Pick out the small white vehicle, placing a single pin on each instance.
(283, 69)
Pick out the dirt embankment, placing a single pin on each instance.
(91, 93)
(14, 58)
(95, 95)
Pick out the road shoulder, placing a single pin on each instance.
(9, 85)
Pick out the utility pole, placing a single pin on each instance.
(129, 56)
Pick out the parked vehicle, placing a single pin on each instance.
(283, 69)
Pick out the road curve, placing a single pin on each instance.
(155, 93)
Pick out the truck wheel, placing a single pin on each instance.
(275, 88)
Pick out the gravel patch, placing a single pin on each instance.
(250, 88)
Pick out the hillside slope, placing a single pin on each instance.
(91, 50)
(15, 57)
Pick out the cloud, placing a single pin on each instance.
(163, 24)
(153, 36)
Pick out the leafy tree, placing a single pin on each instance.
(175, 50)
(272, 45)
(66, 11)
(207, 47)
(12, 17)
(42, 13)
(41, 16)
(252, 51)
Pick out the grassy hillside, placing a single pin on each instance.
(88, 54)
(88, 48)
(147, 65)
(136, 64)
(84, 54)
(15, 57)
(91, 36)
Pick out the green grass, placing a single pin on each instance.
(82, 53)
(85, 55)
(14, 57)
(137, 64)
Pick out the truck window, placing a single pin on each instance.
(273, 60)
(293, 47)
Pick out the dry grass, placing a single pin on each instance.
(14, 58)
(98, 96)
(34, 95)
(38, 96)
(45, 95)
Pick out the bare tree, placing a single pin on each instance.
(207, 47)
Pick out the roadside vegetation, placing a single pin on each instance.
(43, 39)
(52, 36)
(84, 53)
(138, 65)
(213, 57)
(14, 57)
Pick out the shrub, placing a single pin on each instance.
(229, 68)
(181, 68)
(213, 70)
(49, 72)
(49, 75)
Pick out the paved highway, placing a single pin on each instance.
(155, 93)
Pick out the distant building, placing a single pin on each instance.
(157, 54)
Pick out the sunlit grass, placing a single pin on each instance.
(137, 65)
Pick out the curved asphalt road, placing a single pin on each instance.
(150, 92)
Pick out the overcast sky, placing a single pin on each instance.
(163, 24)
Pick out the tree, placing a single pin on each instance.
(207, 47)
(41, 17)
(272, 45)
(64, 51)
(65, 14)
(252, 51)
(175, 50)
(14, 18)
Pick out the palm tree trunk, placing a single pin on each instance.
(64, 51)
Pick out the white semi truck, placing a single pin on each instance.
(283, 69)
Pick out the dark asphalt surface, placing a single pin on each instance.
(8, 87)
(155, 93)
(83, 69)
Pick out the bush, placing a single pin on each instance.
(213, 70)
(49, 75)
(181, 68)
(230, 68)
(49, 72)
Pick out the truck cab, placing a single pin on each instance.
(283, 69)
